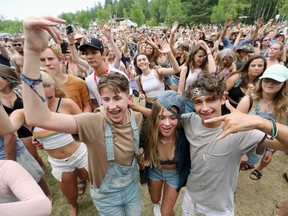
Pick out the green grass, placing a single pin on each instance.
(252, 197)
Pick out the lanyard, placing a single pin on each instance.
(95, 77)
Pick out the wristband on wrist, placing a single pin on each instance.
(32, 83)
(270, 149)
(274, 130)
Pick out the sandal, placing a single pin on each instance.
(81, 187)
(285, 176)
(255, 175)
(245, 166)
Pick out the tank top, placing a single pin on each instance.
(192, 76)
(151, 85)
(18, 104)
(262, 114)
(52, 139)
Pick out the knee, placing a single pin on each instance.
(167, 212)
(155, 200)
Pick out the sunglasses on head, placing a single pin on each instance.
(268, 80)
(17, 45)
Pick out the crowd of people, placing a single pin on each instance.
(212, 101)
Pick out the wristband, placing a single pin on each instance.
(274, 130)
(270, 150)
(32, 83)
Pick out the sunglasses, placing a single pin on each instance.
(268, 80)
(17, 45)
(266, 40)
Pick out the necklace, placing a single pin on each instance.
(167, 142)
(268, 104)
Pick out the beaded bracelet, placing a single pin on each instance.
(274, 129)
(32, 83)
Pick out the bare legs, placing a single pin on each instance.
(169, 198)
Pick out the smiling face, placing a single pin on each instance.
(142, 62)
(115, 104)
(167, 122)
(198, 58)
(207, 107)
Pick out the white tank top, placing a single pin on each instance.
(192, 77)
(151, 85)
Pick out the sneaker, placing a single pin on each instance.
(157, 209)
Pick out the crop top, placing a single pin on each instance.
(175, 159)
(52, 139)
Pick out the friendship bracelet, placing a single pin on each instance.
(274, 130)
(32, 83)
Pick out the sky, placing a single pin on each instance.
(19, 9)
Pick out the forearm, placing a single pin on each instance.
(10, 146)
(173, 62)
(211, 63)
(4, 52)
(143, 110)
(36, 111)
(4, 119)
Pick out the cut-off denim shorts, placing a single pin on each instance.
(171, 177)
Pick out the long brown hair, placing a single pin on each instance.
(281, 101)
(150, 136)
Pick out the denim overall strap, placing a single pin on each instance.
(109, 142)
(109, 139)
(136, 134)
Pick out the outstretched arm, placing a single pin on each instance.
(36, 31)
(237, 121)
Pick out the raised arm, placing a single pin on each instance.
(3, 50)
(106, 31)
(74, 53)
(172, 37)
(36, 111)
(237, 121)
(210, 59)
(175, 67)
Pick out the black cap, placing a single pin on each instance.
(92, 42)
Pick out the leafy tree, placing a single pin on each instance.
(125, 13)
(174, 11)
(11, 26)
(228, 8)
(82, 19)
(283, 8)
(197, 11)
(137, 14)
(69, 17)
(102, 14)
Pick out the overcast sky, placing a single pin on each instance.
(20, 9)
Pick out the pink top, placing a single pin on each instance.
(19, 193)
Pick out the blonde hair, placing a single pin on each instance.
(48, 81)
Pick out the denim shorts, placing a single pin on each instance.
(171, 177)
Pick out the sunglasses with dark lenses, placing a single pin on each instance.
(268, 80)
(17, 45)
(266, 40)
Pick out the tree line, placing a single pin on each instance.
(165, 12)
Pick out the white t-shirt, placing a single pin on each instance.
(92, 84)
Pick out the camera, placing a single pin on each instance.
(69, 29)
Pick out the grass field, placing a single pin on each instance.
(252, 197)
